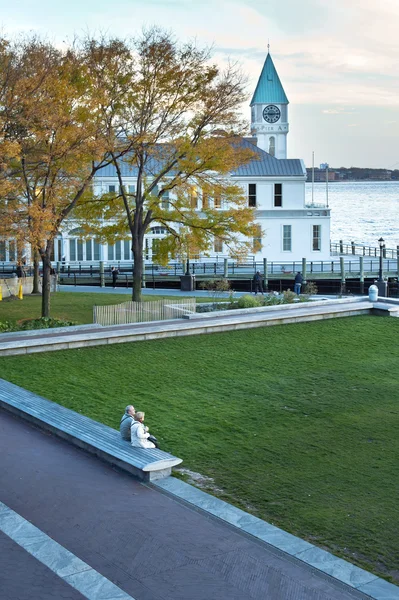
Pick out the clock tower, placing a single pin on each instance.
(269, 112)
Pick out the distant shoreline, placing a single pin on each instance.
(357, 181)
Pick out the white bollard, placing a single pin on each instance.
(373, 293)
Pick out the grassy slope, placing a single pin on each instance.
(67, 305)
(296, 423)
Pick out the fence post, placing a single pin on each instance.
(266, 278)
(342, 265)
(353, 248)
(102, 283)
(225, 269)
(361, 263)
(341, 247)
(304, 270)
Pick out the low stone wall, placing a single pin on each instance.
(10, 285)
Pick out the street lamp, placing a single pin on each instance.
(381, 243)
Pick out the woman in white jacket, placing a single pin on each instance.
(139, 432)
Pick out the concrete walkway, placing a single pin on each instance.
(103, 535)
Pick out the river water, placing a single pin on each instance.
(361, 211)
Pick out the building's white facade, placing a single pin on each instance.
(275, 186)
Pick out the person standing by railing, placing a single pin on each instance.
(298, 283)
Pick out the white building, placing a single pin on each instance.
(275, 186)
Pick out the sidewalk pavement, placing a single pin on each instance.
(166, 292)
(134, 540)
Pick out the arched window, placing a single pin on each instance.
(157, 230)
(272, 145)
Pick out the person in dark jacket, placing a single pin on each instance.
(114, 273)
(298, 283)
(258, 283)
(126, 422)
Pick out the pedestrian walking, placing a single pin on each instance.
(298, 283)
(258, 284)
(114, 273)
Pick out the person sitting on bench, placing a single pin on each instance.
(126, 422)
(139, 432)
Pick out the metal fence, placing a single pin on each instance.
(337, 248)
(142, 312)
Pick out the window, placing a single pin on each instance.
(2, 250)
(126, 249)
(11, 250)
(257, 239)
(80, 250)
(316, 238)
(96, 248)
(131, 189)
(72, 250)
(205, 200)
(272, 146)
(278, 194)
(165, 200)
(118, 251)
(194, 198)
(287, 239)
(111, 189)
(146, 249)
(252, 194)
(111, 251)
(218, 200)
(218, 244)
(88, 250)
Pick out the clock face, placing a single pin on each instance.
(271, 113)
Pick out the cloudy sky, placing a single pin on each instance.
(338, 60)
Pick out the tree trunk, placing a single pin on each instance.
(46, 285)
(137, 268)
(36, 276)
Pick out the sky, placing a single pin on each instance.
(338, 60)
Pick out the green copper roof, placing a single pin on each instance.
(269, 89)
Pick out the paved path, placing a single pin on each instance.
(148, 544)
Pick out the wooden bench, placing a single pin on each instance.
(94, 437)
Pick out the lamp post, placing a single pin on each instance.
(381, 243)
(381, 284)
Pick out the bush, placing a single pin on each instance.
(6, 326)
(310, 288)
(248, 302)
(44, 323)
(289, 297)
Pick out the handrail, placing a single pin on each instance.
(338, 248)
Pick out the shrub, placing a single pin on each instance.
(289, 297)
(310, 288)
(248, 302)
(44, 323)
(6, 326)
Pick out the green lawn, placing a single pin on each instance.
(297, 424)
(77, 307)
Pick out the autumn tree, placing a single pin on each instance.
(51, 114)
(177, 133)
